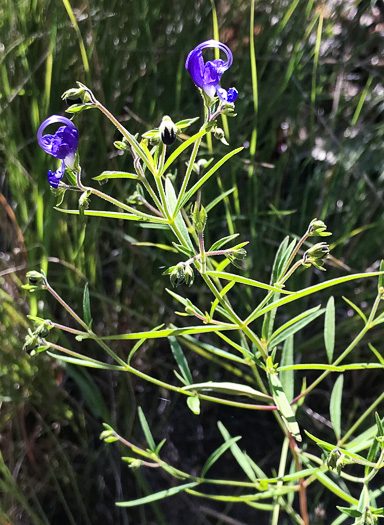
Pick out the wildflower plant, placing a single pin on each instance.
(258, 349)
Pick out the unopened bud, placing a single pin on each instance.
(177, 274)
(167, 131)
(336, 460)
(35, 281)
(317, 227)
(318, 251)
(189, 275)
(81, 92)
(199, 218)
(84, 201)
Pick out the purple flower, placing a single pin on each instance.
(207, 75)
(62, 145)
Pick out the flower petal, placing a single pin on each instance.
(207, 75)
(195, 66)
(51, 143)
(55, 177)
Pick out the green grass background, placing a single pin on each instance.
(310, 115)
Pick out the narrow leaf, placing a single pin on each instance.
(329, 329)
(157, 496)
(87, 307)
(146, 430)
(295, 325)
(221, 242)
(335, 406)
(217, 453)
(238, 454)
(115, 175)
(283, 405)
(287, 376)
(180, 359)
(179, 221)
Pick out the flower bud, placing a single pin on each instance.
(220, 135)
(335, 460)
(317, 227)
(35, 281)
(81, 92)
(199, 218)
(84, 201)
(176, 273)
(167, 131)
(318, 251)
(189, 275)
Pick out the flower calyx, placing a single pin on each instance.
(316, 256)
(180, 273)
(317, 227)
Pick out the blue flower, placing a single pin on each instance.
(62, 145)
(207, 75)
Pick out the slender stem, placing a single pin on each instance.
(188, 173)
(82, 357)
(302, 492)
(295, 251)
(202, 251)
(161, 159)
(114, 201)
(149, 206)
(143, 180)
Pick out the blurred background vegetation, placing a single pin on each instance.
(312, 127)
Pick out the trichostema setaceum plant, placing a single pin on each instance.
(258, 349)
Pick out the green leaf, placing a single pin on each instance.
(244, 280)
(226, 387)
(115, 175)
(87, 307)
(157, 496)
(115, 215)
(181, 361)
(158, 334)
(218, 199)
(238, 454)
(184, 250)
(294, 325)
(329, 329)
(146, 430)
(217, 453)
(379, 357)
(181, 148)
(182, 124)
(287, 376)
(356, 308)
(282, 256)
(283, 405)
(193, 403)
(221, 242)
(88, 362)
(294, 296)
(328, 447)
(206, 176)
(335, 406)
(352, 513)
(179, 221)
